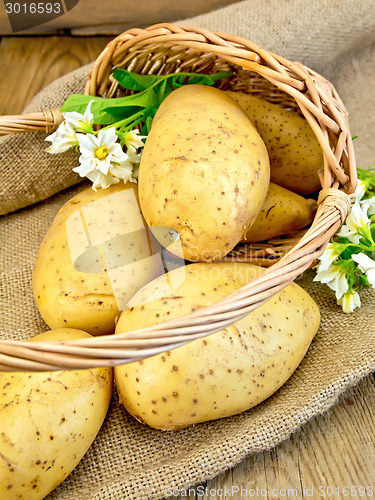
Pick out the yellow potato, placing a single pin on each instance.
(282, 213)
(294, 151)
(222, 374)
(48, 422)
(204, 173)
(95, 256)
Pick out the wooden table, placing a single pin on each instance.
(336, 449)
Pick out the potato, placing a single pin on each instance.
(48, 421)
(222, 374)
(294, 151)
(95, 256)
(204, 173)
(282, 213)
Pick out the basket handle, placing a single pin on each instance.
(43, 121)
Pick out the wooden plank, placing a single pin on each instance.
(30, 64)
(336, 449)
(112, 16)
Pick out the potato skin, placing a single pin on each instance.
(294, 151)
(283, 212)
(48, 421)
(222, 374)
(204, 173)
(87, 290)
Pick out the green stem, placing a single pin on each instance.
(366, 248)
(137, 116)
(133, 124)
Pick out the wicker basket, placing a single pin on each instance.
(165, 48)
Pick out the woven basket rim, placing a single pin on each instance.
(322, 107)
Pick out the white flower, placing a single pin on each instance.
(65, 136)
(122, 172)
(335, 279)
(328, 257)
(349, 301)
(133, 156)
(360, 189)
(370, 205)
(62, 140)
(78, 121)
(99, 152)
(366, 265)
(102, 159)
(133, 141)
(135, 172)
(100, 180)
(356, 219)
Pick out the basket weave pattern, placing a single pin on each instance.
(162, 49)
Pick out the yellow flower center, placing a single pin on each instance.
(102, 153)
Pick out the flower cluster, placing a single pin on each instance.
(103, 158)
(348, 262)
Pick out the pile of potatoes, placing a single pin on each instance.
(217, 168)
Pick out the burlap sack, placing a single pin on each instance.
(129, 460)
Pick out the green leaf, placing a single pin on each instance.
(77, 102)
(151, 90)
(180, 79)
(161, 91)
(147, 126)
(134, 81)
(108, 111)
